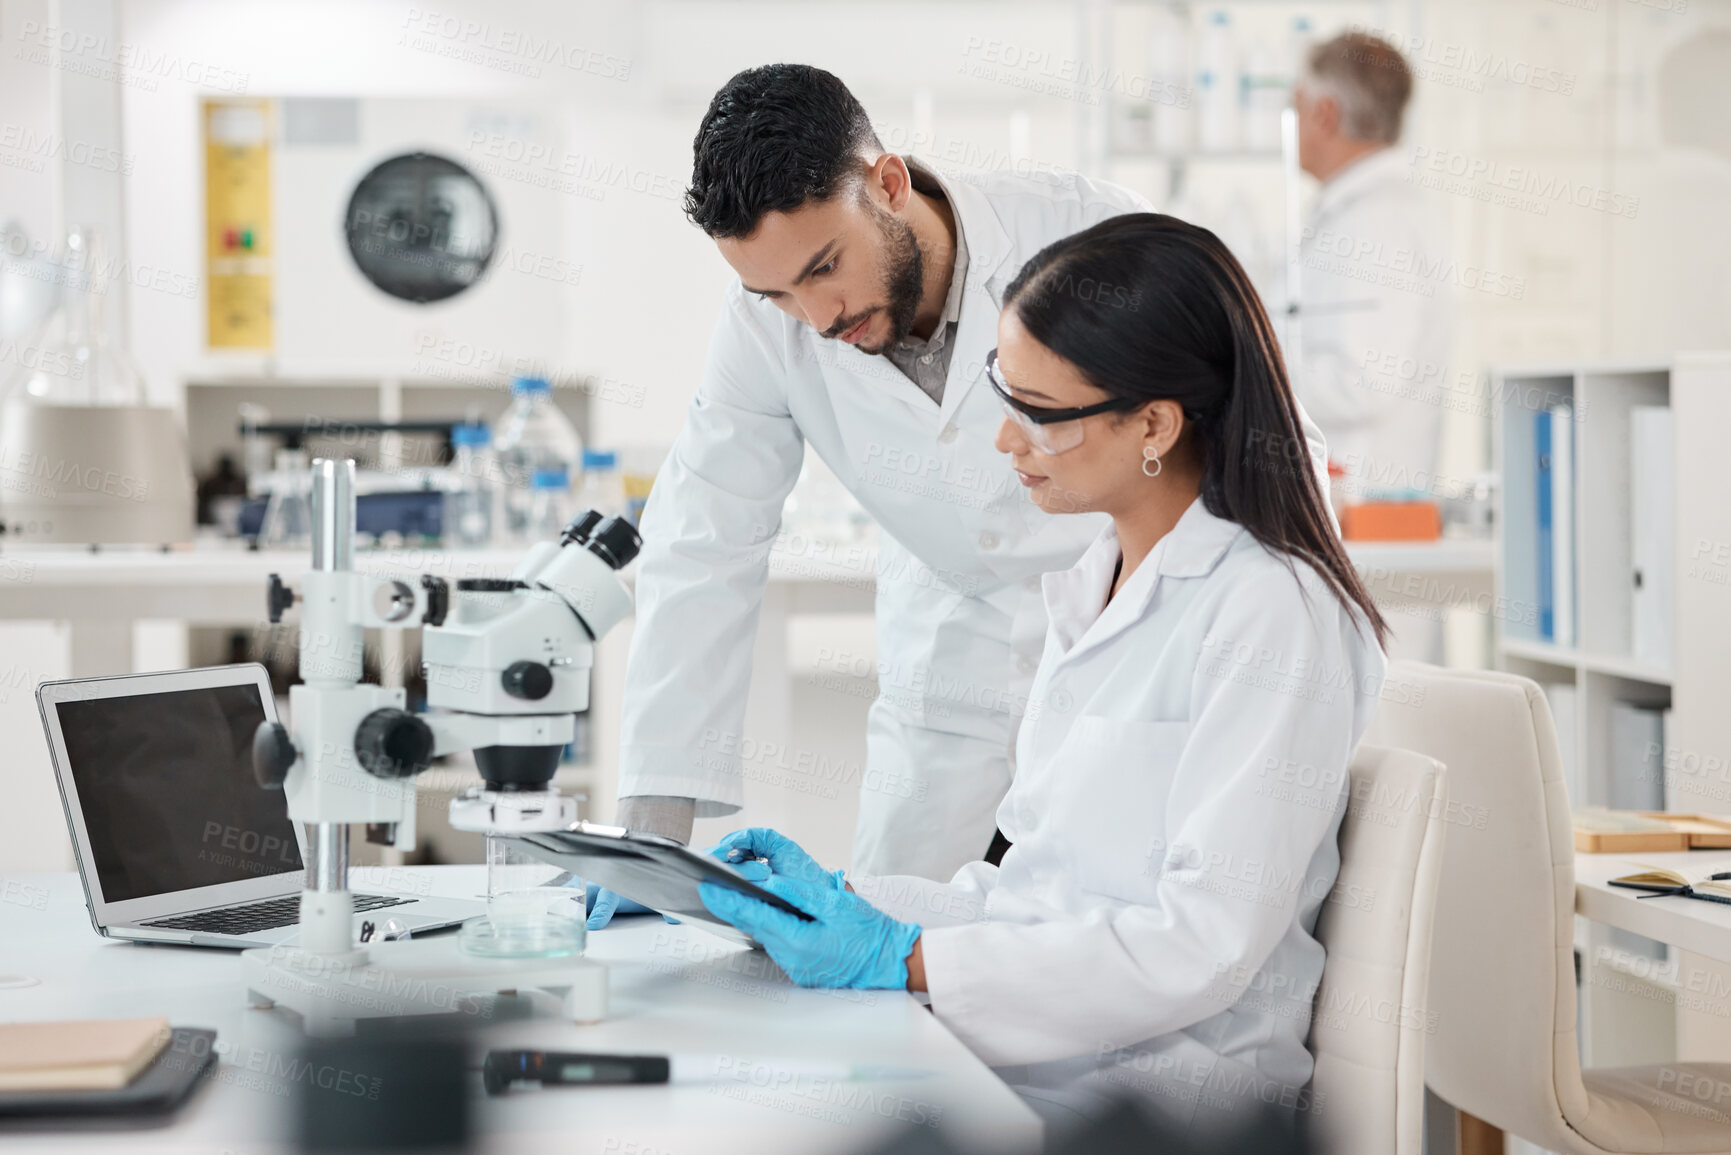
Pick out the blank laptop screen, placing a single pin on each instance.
(165, 782)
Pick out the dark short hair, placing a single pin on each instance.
(774, 138)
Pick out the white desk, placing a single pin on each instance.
(673, 989)
(1703, 928)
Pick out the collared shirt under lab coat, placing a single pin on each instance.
(1181, 780)
(960, 622)
(1376, 319)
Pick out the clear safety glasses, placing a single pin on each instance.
(1048, 430)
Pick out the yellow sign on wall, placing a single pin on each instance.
(237, 223)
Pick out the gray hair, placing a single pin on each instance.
(1367, 78)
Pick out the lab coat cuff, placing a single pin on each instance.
(945, 952)
(669, 772)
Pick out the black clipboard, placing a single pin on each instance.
(658, 872)
(149, 1099)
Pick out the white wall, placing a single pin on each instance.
(643, 310)
(29, 119)
(651, 282)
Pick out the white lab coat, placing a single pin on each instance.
(960, 622)
(1376, 320)
(1181, 780)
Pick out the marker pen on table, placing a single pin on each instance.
(560, 1068)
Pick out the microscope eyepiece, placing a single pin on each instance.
(615, 541)
(580, 528)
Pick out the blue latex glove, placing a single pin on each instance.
(786, 858)
(603, 904)
(849, 943)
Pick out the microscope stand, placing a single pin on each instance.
(424, 977)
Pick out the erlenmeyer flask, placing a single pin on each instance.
(288, 516)
(84, 457)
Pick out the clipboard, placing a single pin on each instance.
(658, 872)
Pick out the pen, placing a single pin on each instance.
(502, 1069)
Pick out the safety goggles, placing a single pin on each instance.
(1048, 430)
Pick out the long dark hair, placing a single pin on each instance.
(1151, 308)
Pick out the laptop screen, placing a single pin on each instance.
(165, 783)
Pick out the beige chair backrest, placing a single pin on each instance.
(1503, 985)
(1370, 1020)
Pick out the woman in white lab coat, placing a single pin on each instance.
(1210, 665)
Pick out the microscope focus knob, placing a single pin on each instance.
(393, 743)
(277, 598)
(529, 680)
(273, 752)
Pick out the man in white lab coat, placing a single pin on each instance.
(1374, 292)
(868, 297)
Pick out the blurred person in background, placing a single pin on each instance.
(1375, 318)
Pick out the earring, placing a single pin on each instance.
(1148, 455)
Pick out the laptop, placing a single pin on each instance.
(176, 842)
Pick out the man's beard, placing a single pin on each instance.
(904, 281)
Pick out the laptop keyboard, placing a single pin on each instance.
(257, 916)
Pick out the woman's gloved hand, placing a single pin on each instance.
(603, 904)
(786, 859)
(848, 943)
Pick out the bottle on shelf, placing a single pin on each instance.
(1217, 95)
(222, 496)
(549, 503)
(638, 465)
(603, 488)
(537, 451)
(469, 506)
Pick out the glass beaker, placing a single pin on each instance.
(534, 909)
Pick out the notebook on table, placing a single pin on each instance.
(95, 1054)
(104, 1074)
(1711, 884)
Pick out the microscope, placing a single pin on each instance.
(507, 663)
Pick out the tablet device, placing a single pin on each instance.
(657, 872)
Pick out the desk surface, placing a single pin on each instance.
(673, 990)
(1701, 927)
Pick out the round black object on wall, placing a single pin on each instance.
(421, 227)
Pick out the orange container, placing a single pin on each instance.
(1391, 521)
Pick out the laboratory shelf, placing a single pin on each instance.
(1566, 657)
